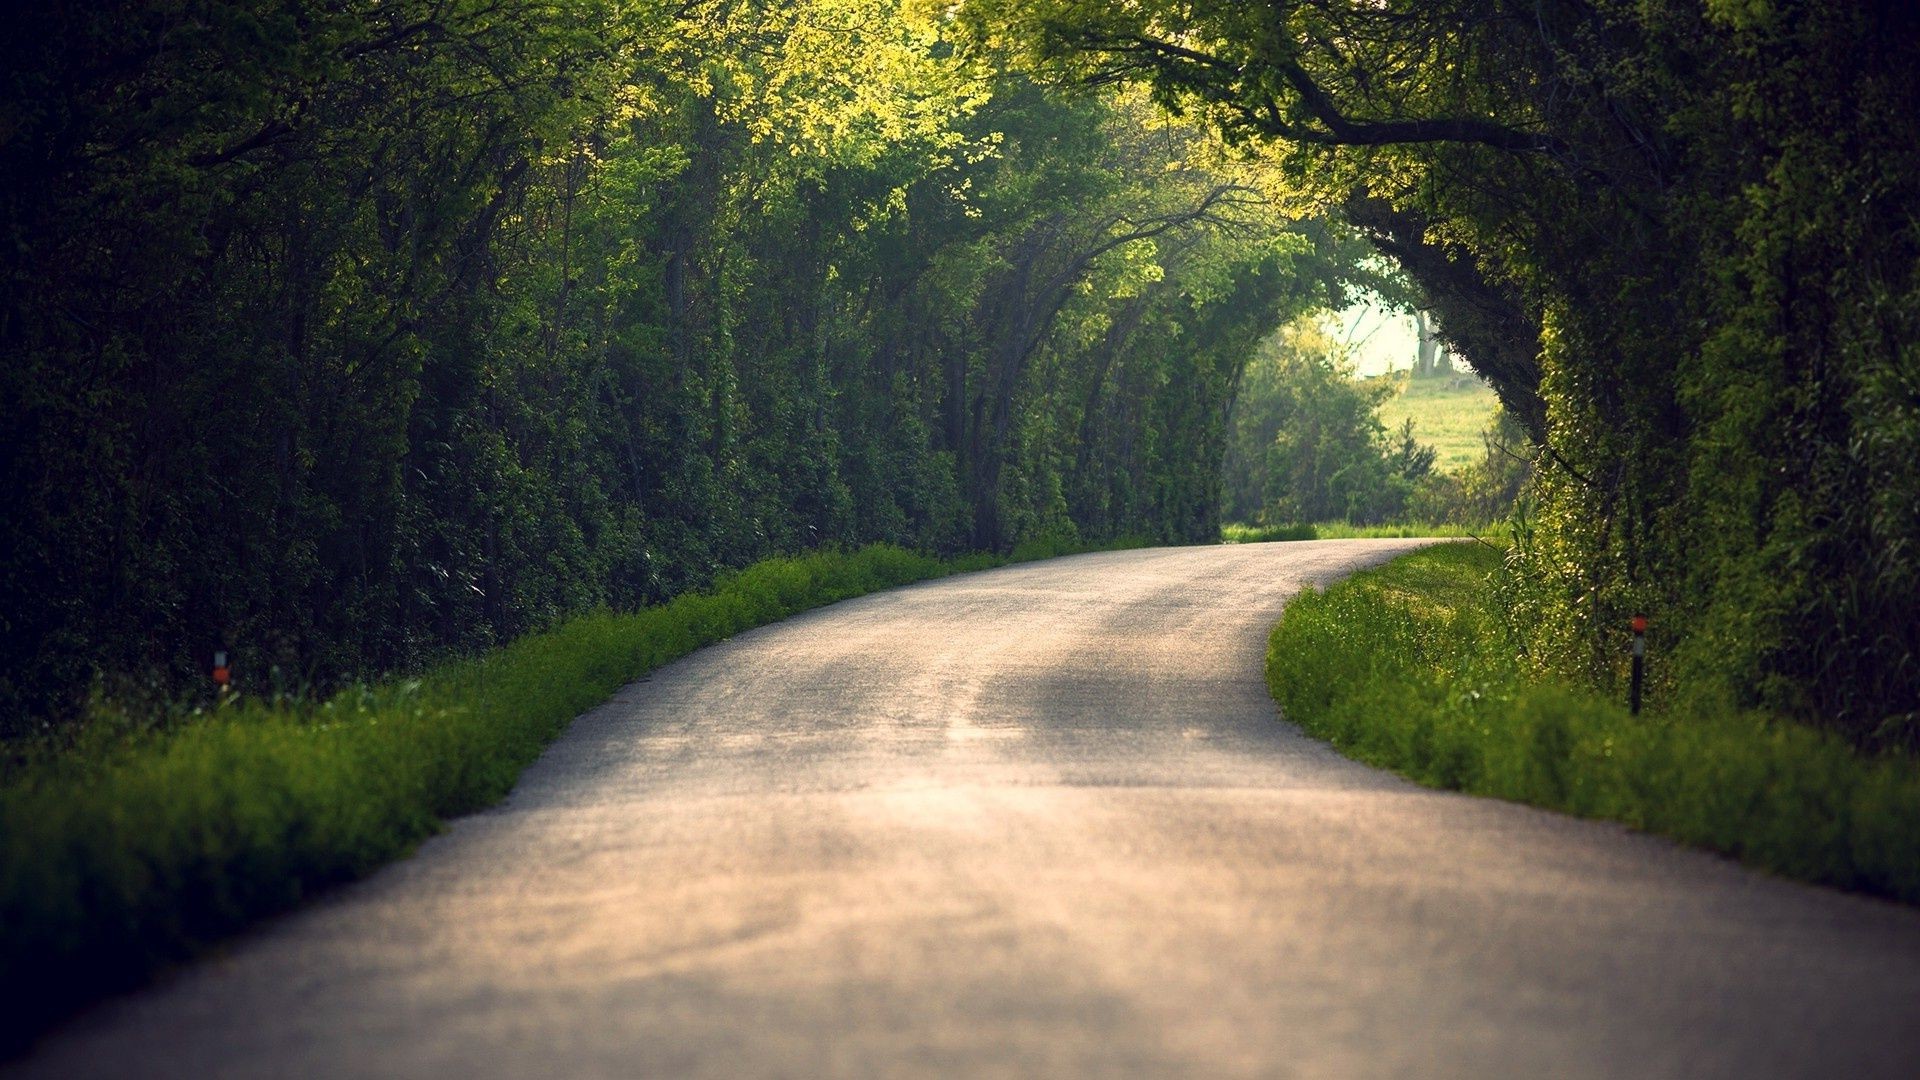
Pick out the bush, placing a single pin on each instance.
(1410, 667)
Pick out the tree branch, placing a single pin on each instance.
(1227, 86)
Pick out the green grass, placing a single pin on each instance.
(136, 850)
(1406, 667)
(1448, 414)
(1237, 533)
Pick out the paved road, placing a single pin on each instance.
(1038, 822)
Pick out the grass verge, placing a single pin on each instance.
(1406, 667)
(133, 854)
(1237, 533)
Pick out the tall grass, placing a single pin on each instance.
(132, 853)
(1408, 667)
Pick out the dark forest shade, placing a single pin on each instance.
(338, 337)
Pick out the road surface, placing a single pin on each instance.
(1040, 822)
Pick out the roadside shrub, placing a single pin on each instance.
(1412, 667)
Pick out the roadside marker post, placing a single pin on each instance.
(1639, 661)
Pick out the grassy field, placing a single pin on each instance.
(1447, 414)
(1406, 667)
(138, 849)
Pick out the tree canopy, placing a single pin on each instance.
(338, 336)
(1677, 238)
(342, 335)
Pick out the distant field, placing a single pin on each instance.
(1447, 417)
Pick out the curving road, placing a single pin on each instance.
(1039, 821)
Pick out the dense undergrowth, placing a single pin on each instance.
(133, 850)
(1410, 667)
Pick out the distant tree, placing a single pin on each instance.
(1307, 443)
(1430, 353)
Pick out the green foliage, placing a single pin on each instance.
(1306, 443)
(1413, 667)
(1489, 488)
(145, 845)
(1678, 240)
(347, 338)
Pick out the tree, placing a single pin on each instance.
(1430, 359)
(1307, 444)
(1648, 227)
(343, 336)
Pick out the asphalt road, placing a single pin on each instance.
(1039, 821)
